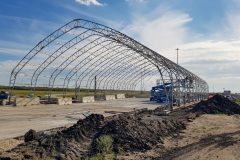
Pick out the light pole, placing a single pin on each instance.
(177, 54)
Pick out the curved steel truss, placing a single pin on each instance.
(81, 51)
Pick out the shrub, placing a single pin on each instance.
(105, 144)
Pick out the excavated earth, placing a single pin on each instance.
(217, 105)
(137, 131)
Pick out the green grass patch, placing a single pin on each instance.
(237, 101)
(42, 91)
(105, 149)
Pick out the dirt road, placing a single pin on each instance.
(15, 121)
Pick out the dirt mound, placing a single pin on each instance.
(217, 104)
(61, 145)
(31, 135)
(139, 132)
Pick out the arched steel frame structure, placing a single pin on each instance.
(82, 50)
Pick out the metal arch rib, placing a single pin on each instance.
(135, 74)
(72, 58)
(130, 69)
(110, 33)
(119, 69)
(105, 66)
(128, 77)
(110, 66)
(79, 67)
(46, 41)
(56, 54)
(118, 66)
(132, 85)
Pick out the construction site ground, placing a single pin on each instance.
(16, 121)
(206, 130)
(215, 137)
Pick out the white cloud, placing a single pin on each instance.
(5, 71)
(164, 32)
(233, 24)
(12, 51)
(215, 61)
(14, 48)
(216, 58)
(89, 2)
(113, 23)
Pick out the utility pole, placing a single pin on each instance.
(177, 54)
(95, 85)
(141, 82)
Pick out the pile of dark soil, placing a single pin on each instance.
(65, 144)
(218, 104)
(138, 131)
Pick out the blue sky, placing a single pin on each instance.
(207, 32)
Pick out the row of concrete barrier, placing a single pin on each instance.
(87, 99)
(62, 101)
(26, 101)
(109, 97)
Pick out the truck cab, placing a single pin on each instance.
(4, 95)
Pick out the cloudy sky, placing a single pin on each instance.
(206, 32)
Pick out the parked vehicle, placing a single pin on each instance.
(3, 97)
(162, 93)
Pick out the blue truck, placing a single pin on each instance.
(162, 93)
(4, 96)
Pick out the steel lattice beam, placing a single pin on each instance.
(118, 60)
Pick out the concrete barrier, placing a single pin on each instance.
(87, 99)
(3, 102)
(110, 97)
(120, 96)
(64, 101)
(26, 101)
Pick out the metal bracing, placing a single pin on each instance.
(52, 57)
(133, 85)
(114, 67)
(105, 66)
(129, 58)
(74, 57)
(45, 42)
(121, 78)
(125, 76)
(102, 66)
(88, 50)
(111, 64)
(125, 67)
(137, 77)
(105, 51)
